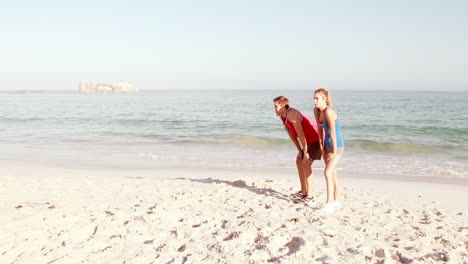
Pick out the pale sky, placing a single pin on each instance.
(238, 44)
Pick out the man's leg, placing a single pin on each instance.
(309, 179)
(302, 178)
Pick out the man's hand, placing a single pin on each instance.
(299, 155)
(307, 160)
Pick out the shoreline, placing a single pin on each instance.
(318, 172)
(412, 190)
(447, 192)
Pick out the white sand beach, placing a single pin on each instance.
(53, 214)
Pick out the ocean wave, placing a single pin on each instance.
(260, 141)
(251, 142)
(370, 145)
(458, 152)
(21, 120)
(417, 127)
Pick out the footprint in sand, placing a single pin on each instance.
(246, 214)
(231, 236)
(294, 245)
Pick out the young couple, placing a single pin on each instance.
(312, 144)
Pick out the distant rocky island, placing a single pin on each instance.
(98, 87)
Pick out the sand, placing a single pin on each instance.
(54, 214)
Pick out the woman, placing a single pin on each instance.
(332, 145)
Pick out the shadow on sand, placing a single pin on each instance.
(243, 185)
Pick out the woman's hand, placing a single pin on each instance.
(330, 156)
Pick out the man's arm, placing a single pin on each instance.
(295, 119)
(295, 141)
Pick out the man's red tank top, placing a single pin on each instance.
(309, 126)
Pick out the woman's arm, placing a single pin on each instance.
(330, 115)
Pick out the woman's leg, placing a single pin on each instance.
(332, 181)
(336, 189)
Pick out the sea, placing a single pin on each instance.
(386, 133)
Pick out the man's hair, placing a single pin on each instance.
(282, 100)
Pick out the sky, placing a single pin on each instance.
(241, 44)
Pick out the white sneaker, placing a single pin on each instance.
(328, 208)
(337, 204)
(308, 200)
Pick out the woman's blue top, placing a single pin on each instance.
(339, 137)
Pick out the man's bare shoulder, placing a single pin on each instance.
(294, 116)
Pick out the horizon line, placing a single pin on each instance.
(26, 91)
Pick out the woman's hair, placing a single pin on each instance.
(326, 94)
(282, 100)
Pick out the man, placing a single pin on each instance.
(303, 132)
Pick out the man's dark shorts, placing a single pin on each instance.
(314, 151)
